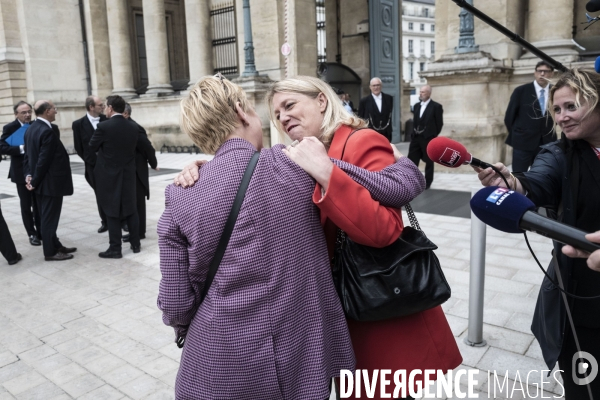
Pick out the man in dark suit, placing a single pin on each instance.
(48, 174)
(377, 108)
(527, 118)
(83, 129)
(428, 120)
(115, 140)
(144, 155)
(13, 146)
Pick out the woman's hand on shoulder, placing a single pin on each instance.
(397, 154)
(190, 174)
(310, 155)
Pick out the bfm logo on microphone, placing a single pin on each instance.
(585, 368)
(449, 157)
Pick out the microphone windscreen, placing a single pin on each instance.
(593, 6)
(447, 152)
(597, 65)
(501, 208)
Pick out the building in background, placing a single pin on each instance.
(151, 50)
(418, 42)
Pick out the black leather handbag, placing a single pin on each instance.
(401, 279)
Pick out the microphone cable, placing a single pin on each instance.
(560, 286)
(555, 283)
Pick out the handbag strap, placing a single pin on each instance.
(348, 138)
(226, 235)
(412, 217)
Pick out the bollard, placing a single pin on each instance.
(476, 281)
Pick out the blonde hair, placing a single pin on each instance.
(208, 113)
(334, 116)
(585, 83)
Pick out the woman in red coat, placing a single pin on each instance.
(307, 108)
(308, 111)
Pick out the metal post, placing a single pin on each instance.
(249, 68)
(476, 281)
(466, 41)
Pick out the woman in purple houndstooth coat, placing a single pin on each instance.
(271, 326)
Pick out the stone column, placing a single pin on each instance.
(197, 20)
(98, 46)
(550, 27)
(155, 29)
(120, 47)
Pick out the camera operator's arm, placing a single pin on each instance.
(593, 260)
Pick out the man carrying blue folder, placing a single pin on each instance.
(12, 144)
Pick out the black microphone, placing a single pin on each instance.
(593, 6)
(511, 212)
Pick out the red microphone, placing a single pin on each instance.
(450, 153)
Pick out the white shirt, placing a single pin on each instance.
(348, 108)
(377, 101)
(46, 121)
(94, 120)
(424, 106)
(538, 90)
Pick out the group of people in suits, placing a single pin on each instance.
(104, 144)
(377, 108)
(41, 170)
(116, 154)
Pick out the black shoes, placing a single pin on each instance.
(35, 241)
(20, 257)
(103, 228)
(136, 249)
(125, 228)
(110, 254)
(59, 257)
(67, 250)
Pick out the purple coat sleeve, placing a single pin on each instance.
(394, 186)
(177, 297)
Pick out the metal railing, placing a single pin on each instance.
(224, 33)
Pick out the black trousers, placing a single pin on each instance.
(29, 211)
(100, 210)
(589, 341)
(90, 181)
(417, 151)
(522, 159)
(50, 208)
(140, 200)
(114, 231)
(7, 246)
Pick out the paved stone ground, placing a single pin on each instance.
(89, 328)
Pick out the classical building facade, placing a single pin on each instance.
(474, 83)
(150, 51)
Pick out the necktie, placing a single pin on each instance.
(542, 101)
